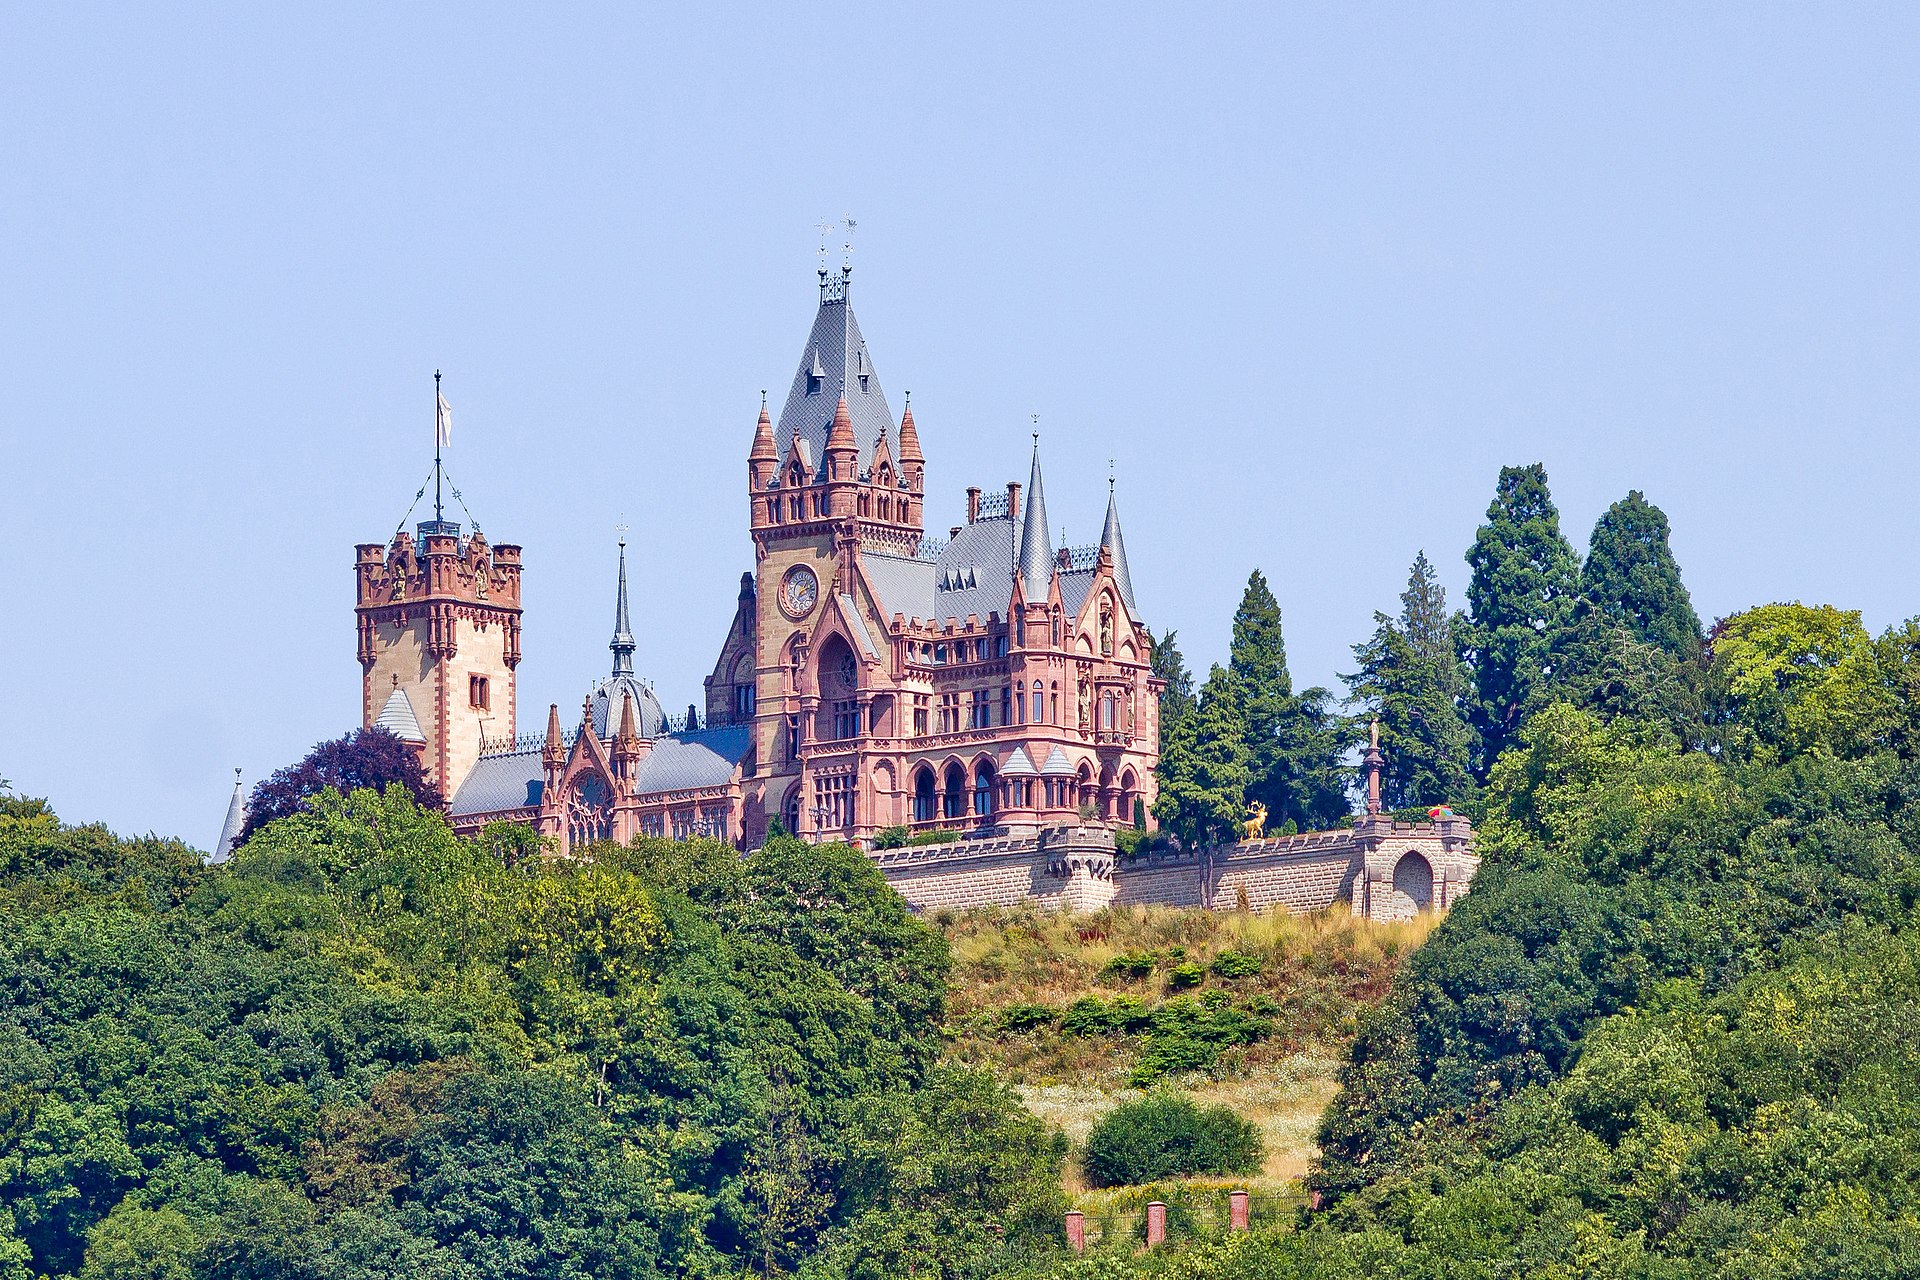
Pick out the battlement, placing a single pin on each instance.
(440, 567)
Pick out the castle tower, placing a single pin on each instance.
(439, 628)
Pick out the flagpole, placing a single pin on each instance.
(436, 449)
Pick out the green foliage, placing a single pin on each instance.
(1027, 1017)
(1525, 579)
(933, 837)
(1165, 1135)
(1793, 678)
(890, 838)
(1295, 740)
(1206, 765)
(1177, 698)
(367, 1048)
(1187, 974)
(1130, 965)
(1632, 580)
(1236, 964)
(1411, 678)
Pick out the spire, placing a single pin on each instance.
(236, 822)
(622, 645)
(1036, 553)
(909, 438)
(840, 435)
(1116, 548)
(628, 732)
(553, 756)
(763, 450)
(834, 365)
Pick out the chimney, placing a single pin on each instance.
(1013, 502)
(973, 503)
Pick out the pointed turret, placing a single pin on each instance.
(764, 458)
(236, 823)
(629, 733)
(1116, 548)
(554, 754)
(834, 365)
(909, 437)
(1036, 552)
(843, 451)
(622, 644)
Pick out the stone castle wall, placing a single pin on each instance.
(1385, 870)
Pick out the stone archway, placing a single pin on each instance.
(1412, 884)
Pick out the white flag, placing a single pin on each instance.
(442, 422)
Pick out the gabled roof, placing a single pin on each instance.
(835, 363)
(695, 758)
(858, 625)
(397, 718)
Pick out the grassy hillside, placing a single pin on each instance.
(1081, 1012)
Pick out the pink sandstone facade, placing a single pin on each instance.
(873, 678)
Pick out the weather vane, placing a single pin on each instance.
(825, 229)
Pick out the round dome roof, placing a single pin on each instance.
(649, 720)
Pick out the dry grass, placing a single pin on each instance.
(1321, 970)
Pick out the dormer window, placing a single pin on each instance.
(816, 375)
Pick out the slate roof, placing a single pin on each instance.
(1116, 545)
(835, 363)
(1057, 763)
(904, 584)
(852, 611)
(398, 719)
(694, 758)
(677, 762)
(1036, 550)
(236, 820)
(609, 693)
(501, 780)
(1019, 765)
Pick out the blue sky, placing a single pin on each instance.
(1308, 274)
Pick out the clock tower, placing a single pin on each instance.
(833, 475)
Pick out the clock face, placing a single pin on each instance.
(798, 591)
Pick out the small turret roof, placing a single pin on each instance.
(1116, 547)
(398, 719)
(236, 823)
(1036, 551)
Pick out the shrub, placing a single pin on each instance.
(890, 838)
(1129, 965)
(1189, 974)
(1025, 1017)
(1236, 964)
(934, 837)
(1188, 1035)
(1167, 1135)
(1091, 1016)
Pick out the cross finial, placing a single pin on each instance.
(825, 229)
(763, 397)
(621, 529)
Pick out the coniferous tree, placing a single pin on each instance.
(1632, 579)
(1525, 579)
(1295, 740)
(1176, 699)
(1203, 783)
(1410, 677)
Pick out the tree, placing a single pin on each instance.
(1792, 678)
(1410, 678)
(1168, 1135)
(1295, 740)
(1632, 579)
(1207, 765)
(1176, 699)
(369, 757)
(1525, 580)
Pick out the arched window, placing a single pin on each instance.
(983, 790)
(1039, 703)
(925, 799)
(954, 802)
(790, 816)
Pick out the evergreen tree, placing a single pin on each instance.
(1295, 740)
(1206, 765)
(1410, 678)
(1176, 700)
(1632, 578)
(1525, 580)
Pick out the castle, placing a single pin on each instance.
(872, 679)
